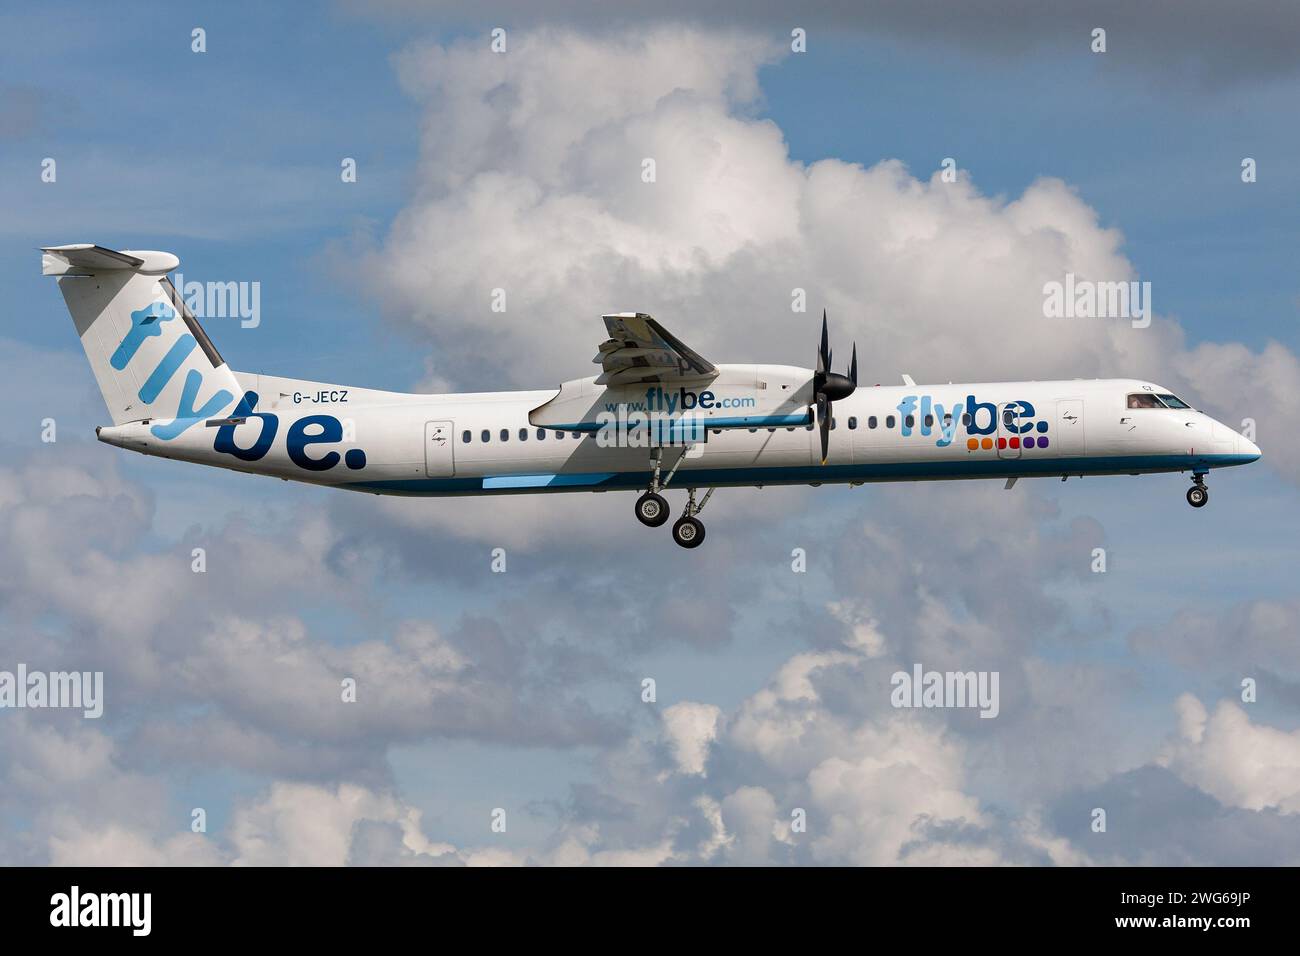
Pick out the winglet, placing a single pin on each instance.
(907, 379)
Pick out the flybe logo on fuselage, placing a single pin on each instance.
(304, 433)
(148, 323)
(658, 399)
(922, 415)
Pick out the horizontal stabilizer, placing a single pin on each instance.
(88, 259)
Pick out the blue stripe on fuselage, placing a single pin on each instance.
(582, 479)
(806, 474)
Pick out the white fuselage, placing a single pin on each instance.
(759, 432)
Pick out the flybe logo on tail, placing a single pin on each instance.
(147, 323)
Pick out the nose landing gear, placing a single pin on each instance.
(1198, 495)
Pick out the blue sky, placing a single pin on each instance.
(230, 159)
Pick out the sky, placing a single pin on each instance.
(520, 696)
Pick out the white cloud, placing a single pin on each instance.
(750, 816)
(115, 845)
(1238, 762)
(306, 825)
(877, 796)
(691, 728)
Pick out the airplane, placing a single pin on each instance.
(657, 415)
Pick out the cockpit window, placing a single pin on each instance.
(1173, 401)
(1143, 400)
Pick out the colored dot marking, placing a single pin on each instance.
(1042, 442)
(1002, 443)
(972, 443)
(1042, 426)
(986, 443)
(355, 459)
(1015, 443)
(1029, 442)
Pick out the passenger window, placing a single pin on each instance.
(486, 436)
(853, 422)
(965, 418)
(1008, 416)
(541, 434)
(889, 421)
(929, 421)
(523, 434)
(576, 434)
(559, 435)
(832, 422)
(871, 421)
(465, 436)
(505, 434)
(1143, 400)
(909, 421)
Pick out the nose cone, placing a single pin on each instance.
(1247, 449)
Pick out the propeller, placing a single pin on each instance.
(830, 386)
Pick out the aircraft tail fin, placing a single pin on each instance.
(151, 358)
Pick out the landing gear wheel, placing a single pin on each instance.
(651, 509)
(1197, 496)
(689, 532)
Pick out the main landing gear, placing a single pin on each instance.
(689, 530)
(1198, 495)
(652, 509)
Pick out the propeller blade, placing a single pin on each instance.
(824, 425)
(853, 366)
(823, 353)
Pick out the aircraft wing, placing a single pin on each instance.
(639, 349)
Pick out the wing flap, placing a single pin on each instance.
(639, 349)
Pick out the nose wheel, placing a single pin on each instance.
(1198, 495)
